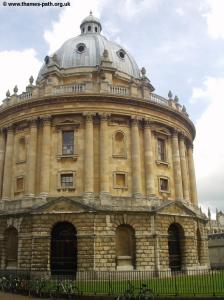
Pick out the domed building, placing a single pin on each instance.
(97, 171)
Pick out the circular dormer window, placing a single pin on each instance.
(80, 48)
(121, 53)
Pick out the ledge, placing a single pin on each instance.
(71, 156)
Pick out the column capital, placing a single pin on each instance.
(33, 121)
(175, 132)
(104, 116)
(182, 136)
(89, 115)
(10, 128)
(46, 119)
(147, 122)
(135, 120)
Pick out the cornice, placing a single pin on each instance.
(125, 100)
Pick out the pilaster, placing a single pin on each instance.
(7, 177)
(45, 156)
(136, 159)
(183, 163)
(193, 188)
(177, 166)
(32, 157)
(149, 167)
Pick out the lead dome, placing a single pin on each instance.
(87, 50)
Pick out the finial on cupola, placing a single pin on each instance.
(91, 12)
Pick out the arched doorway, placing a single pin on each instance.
(125, 247)
(174, 245)
(11, 248)
(63, 249)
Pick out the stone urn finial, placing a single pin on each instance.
(170, 95)
(105, 53)
(31, 80)
(176, 99)
(143, 71)
(15, 90)
(8, 94)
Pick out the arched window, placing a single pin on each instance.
(198, 235)
(63, 249)
(89, 28)
(11, 248)
(175, 237)
(21, 154)
(119, 144)
(125, 247)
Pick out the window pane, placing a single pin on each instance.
(67, 180)
(161, 150)
(68, 142)
(163, 184)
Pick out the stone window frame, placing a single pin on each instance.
(162, 135)
(69, 126)
(168, 184)
(59, 187)
(18, 139)
(124, 156)
(16, 191)
(126, 180)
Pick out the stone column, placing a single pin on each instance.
(149, 170)
(7, 177)
(32, 157)
(193, 187)
(183, 163)
(104, 157)
(177, 167)
(2, 157)
(45, 156)
(136, 159)
(88, 158)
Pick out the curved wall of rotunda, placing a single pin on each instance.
(90, 150)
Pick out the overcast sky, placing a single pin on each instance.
(179, 42)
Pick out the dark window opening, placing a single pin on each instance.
(164, 184)
(161, 150)
(121, 53)
(66, 180)
(89, 28)
(67, 142)
(95, 29)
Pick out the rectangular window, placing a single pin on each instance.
(67, 180)
(67, 142)
(120, 180)
(164, 184)
(161, 150)
(19, 184)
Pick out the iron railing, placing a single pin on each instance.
(118, 284)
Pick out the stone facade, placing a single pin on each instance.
(127, 170)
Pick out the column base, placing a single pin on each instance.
(137, 196)
(88, 197)
(5, 198)
(105, 198)
(43, 195)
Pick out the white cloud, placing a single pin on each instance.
(209, 143)
(69, 22)
(214, 17)
(132, 8)
(18, 66)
